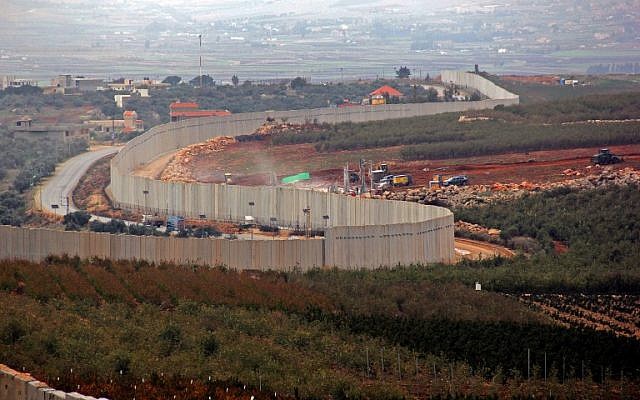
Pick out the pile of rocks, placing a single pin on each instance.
(179, 168)
(474, 228)
(600, 177)
(470, 196)
(272, 128)
(455, 196)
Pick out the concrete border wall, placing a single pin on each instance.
(36, 244)
(16, 385)
(483, 85)
(358, 233)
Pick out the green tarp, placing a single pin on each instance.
(303, 176)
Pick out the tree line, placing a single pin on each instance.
(518, 128)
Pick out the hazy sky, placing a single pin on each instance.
(16, 8)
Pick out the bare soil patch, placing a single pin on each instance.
(256, 163)
(90, 193)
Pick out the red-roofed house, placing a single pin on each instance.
(383, 94)
(179, 106)
(386, 90)
(180, 111)
(131, 122)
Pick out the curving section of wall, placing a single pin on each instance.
(359, 232)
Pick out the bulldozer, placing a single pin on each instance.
(605, 157)
(378, 174)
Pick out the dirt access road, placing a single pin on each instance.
(475, 250)
(252, 163)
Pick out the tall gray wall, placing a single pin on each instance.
(483, 85)
(359, 232)
(36, 244)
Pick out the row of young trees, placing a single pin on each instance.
(442, 136)
(599, 227)
(425, 319)
(618, 106)
(133, 320)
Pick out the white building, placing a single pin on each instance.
(12, 81)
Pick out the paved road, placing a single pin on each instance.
(59, 187)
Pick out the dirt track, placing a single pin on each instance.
(474, 250)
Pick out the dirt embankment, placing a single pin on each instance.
(90, 193)
(547, 80)
(179, 168)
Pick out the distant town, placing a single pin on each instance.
(318, 40)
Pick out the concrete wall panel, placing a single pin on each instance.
(359, 233)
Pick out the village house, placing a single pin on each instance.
(181, 111)
(129, 123)
(63, 132)
(382, 95)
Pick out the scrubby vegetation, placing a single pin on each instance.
(414, 331)
(600, 228)
(589, 86)
(245, 97)
(515, 128)
(29, 160)
(604, 107)
(369, 334)
(366, 334)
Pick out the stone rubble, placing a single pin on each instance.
(179, 168)
(475, 228)
(478, 195)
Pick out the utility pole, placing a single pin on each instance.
(200, 52)
(382, 361)
(251, 204)
(363, 179)
(528, 363)
(307, 212)
(367, 352)
(399, 370)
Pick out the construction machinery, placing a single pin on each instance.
(605, 157)
(402, 180)
(152, 220)
(175, 223)
(436, 182)
(378, 174)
